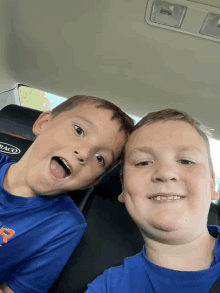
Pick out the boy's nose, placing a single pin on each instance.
(80, 156)
(164, 179)
(165, 173)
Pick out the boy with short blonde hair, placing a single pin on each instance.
(76, 143)
(168, 185)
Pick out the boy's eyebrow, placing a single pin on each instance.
(189, 148)
(94, 128)
(147, 149)
(89, 122)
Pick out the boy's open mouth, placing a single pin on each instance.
(59, 167)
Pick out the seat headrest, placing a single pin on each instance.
(110, 184)
(18, 121)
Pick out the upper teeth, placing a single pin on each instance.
(65, 163)
(165, 197)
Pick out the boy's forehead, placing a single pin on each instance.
(89, 109)
(164, 133)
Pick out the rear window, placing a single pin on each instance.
(36, 99)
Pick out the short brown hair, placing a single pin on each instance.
(174, 115)
(126, 122)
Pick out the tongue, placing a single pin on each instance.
(56, 169)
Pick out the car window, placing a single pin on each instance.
(36, 99)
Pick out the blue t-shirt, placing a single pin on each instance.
(37, 237)
(139, 275)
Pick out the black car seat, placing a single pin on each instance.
(111, 234)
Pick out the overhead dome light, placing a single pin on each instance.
(186, 17)
(167, 13)
(211, 25)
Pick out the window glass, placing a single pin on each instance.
(36, 99)
(136, 119)
(43, 101)
(214, 148)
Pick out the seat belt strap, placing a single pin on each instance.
(216, 287)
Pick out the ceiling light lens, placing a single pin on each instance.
(167, 13)
(211, 26)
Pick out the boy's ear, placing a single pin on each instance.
(121, 198)
(40, 122)
(214, 194)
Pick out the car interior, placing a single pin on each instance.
(143, 56)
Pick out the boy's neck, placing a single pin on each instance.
(13, 182)
(193, 256)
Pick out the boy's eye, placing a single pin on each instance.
(100, 159)
(146, 163)
(79, 130)
(143, 164)
(186, 162)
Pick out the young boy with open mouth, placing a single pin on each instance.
(41, 226)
